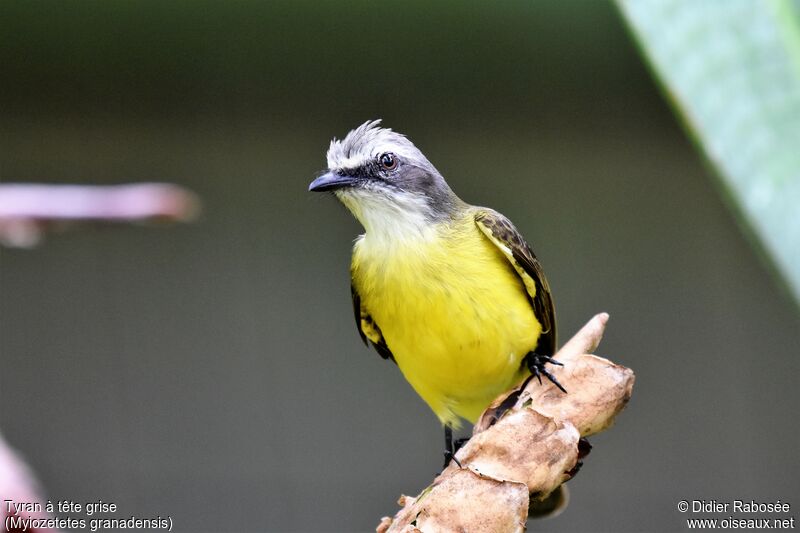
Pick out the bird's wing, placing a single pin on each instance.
(510, 242)
(367, 327)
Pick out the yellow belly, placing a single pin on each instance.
(453, 312)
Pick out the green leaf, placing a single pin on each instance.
(732, 70)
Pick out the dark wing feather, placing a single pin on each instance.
(505, 236)
(367, 328)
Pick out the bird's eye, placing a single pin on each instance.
(388, 161)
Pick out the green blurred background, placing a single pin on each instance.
(212, 372)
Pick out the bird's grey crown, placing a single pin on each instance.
(415, 175)
(367, 142)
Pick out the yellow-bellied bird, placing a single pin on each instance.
(449, 291)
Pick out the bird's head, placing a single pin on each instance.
(385, 181)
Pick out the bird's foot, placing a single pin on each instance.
(452, 446)
(535, 364)
(450, 456)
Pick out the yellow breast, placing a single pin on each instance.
(453, 312)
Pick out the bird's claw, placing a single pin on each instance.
(536, 362)
(451, 447)
(450, 456)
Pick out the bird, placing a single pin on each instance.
(450, 292)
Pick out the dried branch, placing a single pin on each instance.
(520, 454)
(27, 209)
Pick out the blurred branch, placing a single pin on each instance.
(27, 210)
(732, 72)
(523, 456)
(18, 486)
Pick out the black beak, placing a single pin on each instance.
(331, 181)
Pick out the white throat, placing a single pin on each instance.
(389, 219)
